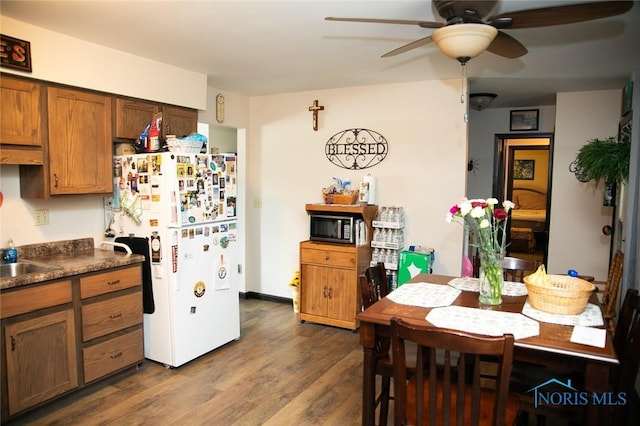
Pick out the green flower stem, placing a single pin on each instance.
(491, 286)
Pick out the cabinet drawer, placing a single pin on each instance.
(106, 282)
(108, 316)
(112, 355)
(33, 298)
(327, 257)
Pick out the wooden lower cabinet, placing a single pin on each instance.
(112, 355)
(329, 288)
(111, 310)
(41, 359)
(62, 335)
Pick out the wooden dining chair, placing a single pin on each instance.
(626, 342)
(373, 287)
(451, 388)
(515, 269)
(610, 293)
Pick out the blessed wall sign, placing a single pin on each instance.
(356, 149)
(15, 53)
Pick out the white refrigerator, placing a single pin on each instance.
(185, 205)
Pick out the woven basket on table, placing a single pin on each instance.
(565, 295)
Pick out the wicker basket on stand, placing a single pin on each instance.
(341, 198)
(563, 294)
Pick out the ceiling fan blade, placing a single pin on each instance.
(560, 15)
(407, 47)
(506, 46)
(423, 24)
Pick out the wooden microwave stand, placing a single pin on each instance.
(329, 283)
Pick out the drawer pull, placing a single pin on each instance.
(113, 282)
(330, 292)
(118, 355)
(114, 316)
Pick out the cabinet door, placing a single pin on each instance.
(41, 359)
(21, 118)
(179, 121)
(80, 144)
(132, 117)
(341, 294)
(313, 290)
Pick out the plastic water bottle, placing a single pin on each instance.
(10, 255)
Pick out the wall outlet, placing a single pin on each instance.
(257, 203)
(42, 216)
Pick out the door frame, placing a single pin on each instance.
(502, 157)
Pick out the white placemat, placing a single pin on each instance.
(510, 288)
(425, 295)
(590, 317)
(483, 321)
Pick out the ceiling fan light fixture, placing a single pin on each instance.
(464, 41)
(480, 101)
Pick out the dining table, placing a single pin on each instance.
(538, 341)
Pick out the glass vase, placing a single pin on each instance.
(491, 279)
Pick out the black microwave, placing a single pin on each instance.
(332, 228)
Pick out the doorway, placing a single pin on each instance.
(522, 174)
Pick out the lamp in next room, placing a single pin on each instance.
(464, 41)
(480, 101)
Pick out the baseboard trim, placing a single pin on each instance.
(268, 297)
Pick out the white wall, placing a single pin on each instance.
(423, 172)
(575, 235)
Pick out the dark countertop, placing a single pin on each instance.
(72, 257)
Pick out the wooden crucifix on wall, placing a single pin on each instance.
(315, 108)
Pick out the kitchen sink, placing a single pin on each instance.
(10, 270)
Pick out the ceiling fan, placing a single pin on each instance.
(468, 16)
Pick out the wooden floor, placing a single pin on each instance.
(280, 372)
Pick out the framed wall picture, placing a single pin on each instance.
(523, 169)
(524, 119)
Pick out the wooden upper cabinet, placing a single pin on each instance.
(80, 142)
(21, 118)
(131, 117)
(179, 121)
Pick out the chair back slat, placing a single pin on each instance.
(613, 284)
(448, 388)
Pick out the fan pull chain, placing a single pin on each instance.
(463, 95)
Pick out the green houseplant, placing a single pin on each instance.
(605, 160)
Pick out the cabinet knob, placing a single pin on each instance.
(55, 180)
(326, 257)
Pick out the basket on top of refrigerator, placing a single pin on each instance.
(192, 144)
